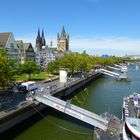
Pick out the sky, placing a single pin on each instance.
(96, 26)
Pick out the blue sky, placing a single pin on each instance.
(97, 26)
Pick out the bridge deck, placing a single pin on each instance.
(114, 68)
(107, 72)
(73, 110)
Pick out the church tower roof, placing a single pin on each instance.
(42, 33)
(63, 33)
(38, 33)
(43, 38)
(63, 41)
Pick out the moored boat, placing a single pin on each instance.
(124, 69)
(131, 117)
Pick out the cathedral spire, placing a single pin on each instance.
(38, 33)
(43, 39)
(42, 33)
(63, 33)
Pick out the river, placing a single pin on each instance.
(104, 94)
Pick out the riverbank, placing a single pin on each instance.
(17, 115)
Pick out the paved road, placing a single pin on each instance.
(55, 86)
(13, 99)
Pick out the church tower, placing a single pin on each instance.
(40, 40)
(63, 41)
(43, 39)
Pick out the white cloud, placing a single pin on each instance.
(96, 46)
(108, 45)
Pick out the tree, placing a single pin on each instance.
(53, 67)
(3, 53)
(29, 67)
(69, 61)
(79, 62)
(6, 73)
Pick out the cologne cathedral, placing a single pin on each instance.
(40, 40)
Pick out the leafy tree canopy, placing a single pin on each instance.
(3, 53)
(29, 67)
(80, 62)
(6, 73)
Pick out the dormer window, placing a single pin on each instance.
(12, 45)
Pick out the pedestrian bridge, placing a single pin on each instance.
(73, 110)
(110, 73)
(114, 68)
(113, 74)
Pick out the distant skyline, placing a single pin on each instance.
(97, 26)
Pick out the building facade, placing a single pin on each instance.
(26, 51)
(7, 42)
(63, 41)
(40, 40)
(21, 51)
(29, 52)
(44, 53)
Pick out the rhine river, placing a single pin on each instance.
(103, 95)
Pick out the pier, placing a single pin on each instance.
(118, 76)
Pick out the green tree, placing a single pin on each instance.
(79, 62)
(84, 62)
(53, 67)
(29, 67)
(6, 73)
(3, 53)
(69, 61)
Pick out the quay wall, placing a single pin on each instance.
(17, 116)
(70, 89)
(12, 119)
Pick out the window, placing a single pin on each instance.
(11, 44)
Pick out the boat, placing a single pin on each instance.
(124, 69)
(131, 117)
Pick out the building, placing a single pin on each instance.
(26, 51)
(29, 52)
(43, 53)
(62, 41)
(21, 51)
(40, 40)
(47, 54)
(7, 42)
(134, 57)
(37, 57)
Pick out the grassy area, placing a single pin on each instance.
(34, 77)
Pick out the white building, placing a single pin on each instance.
(50, 55)
(37, 57)
(134, 57)
(7, 42)
(44, 56)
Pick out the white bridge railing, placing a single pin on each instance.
(114, 68)
(107, 72)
